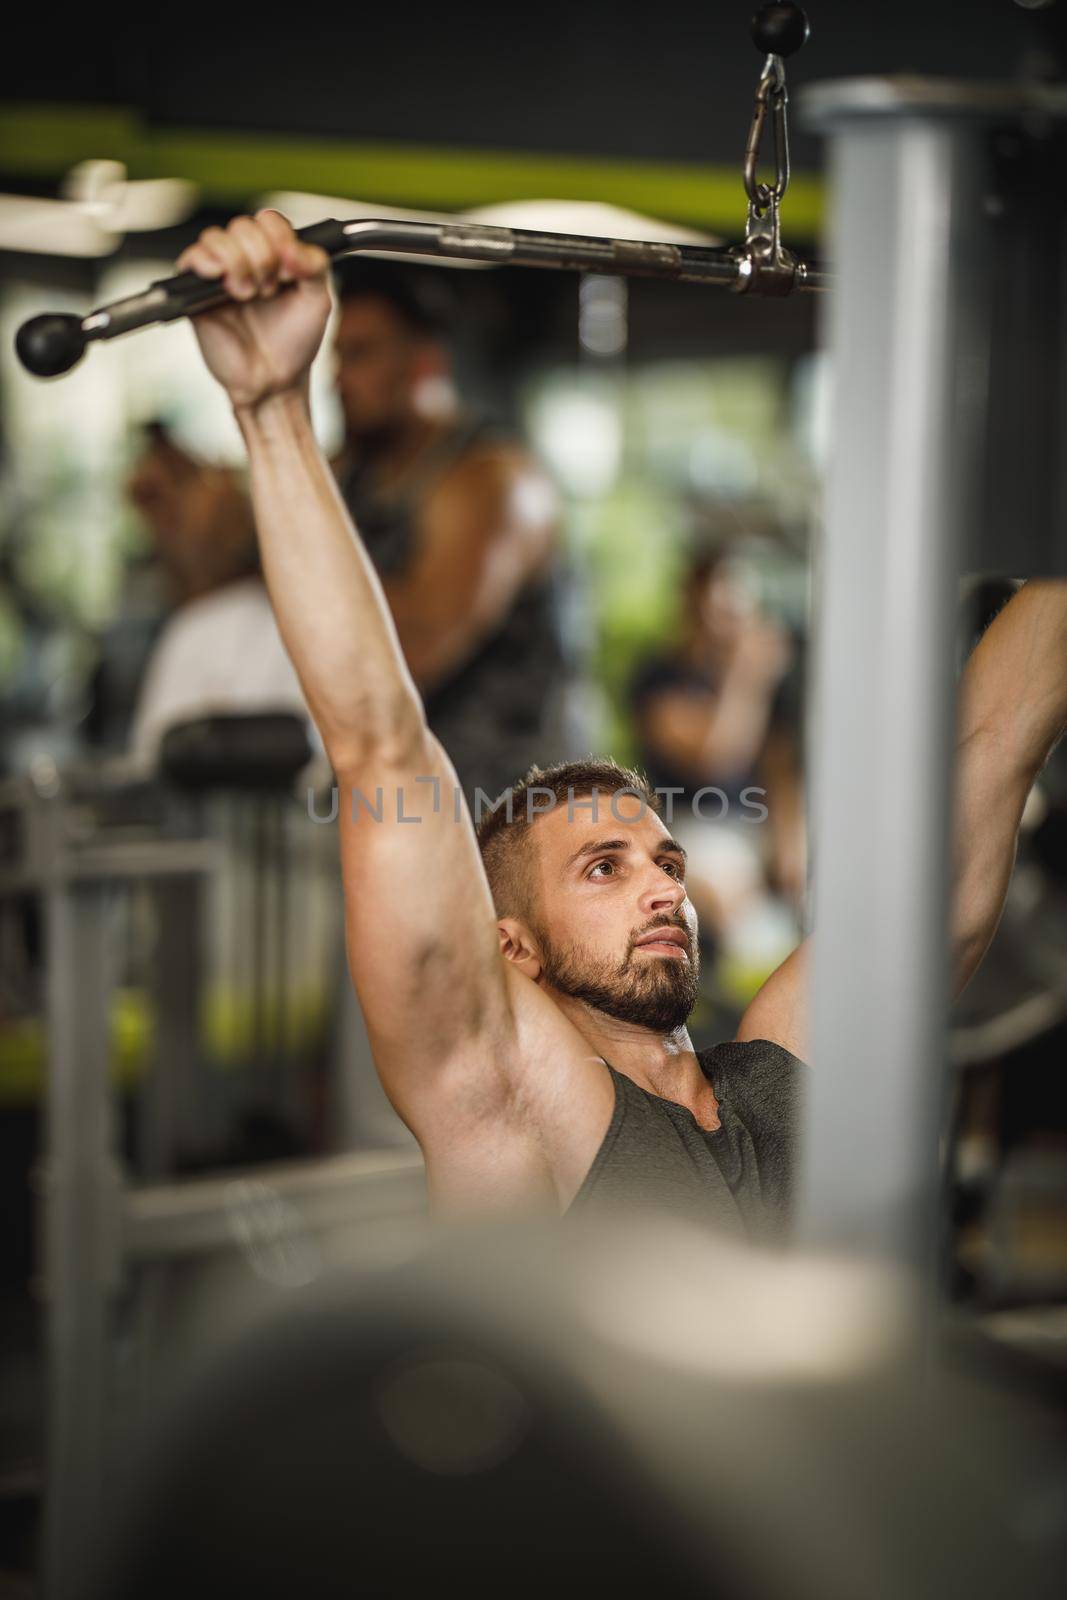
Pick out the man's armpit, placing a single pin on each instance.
(442, 985)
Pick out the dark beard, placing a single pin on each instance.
(659, 998)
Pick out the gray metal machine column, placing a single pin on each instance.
(905, 327)
(81, 1213)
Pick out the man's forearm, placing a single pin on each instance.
(1012, 711)
(1014, 688)
(326, 595)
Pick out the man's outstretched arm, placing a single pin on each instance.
(1012, 712)
(421, 931)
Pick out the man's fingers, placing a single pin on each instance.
(279, 231)
(260, 253)
(199, 259)
(236, 275)
(303, 263)
(239, 272)
(313, 260)
(253, 255)
(298, 260)
(241, 278)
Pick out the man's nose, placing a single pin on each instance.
(662, 893)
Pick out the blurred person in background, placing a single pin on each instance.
(219, 650)
(461, 525)
(711, 713)
(219, 653)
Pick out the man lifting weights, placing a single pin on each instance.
(526, 992)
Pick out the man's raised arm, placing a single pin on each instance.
(1012, 712)
(422, 939)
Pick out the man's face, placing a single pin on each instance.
(380, 363)
(604, 889)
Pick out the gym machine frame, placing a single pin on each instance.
(96, 1225)
(947, 342)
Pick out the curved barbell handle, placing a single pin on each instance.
(51, 344)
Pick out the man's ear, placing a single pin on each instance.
(518, 946)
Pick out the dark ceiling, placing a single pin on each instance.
(668, 82)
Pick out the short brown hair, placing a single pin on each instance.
(503, 830)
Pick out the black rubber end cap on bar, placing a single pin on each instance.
(780, 30)
(50, 344)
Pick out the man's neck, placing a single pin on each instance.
(665, 1064)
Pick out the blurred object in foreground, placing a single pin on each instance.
(624, 1412)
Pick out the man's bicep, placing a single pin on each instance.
(991, 794)
(779, 1011)
(423, 948)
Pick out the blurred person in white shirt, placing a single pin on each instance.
(219, 651)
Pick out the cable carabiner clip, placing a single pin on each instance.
(762, 256)
(770, 92)
(778, 30)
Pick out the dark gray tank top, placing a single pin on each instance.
(738, 1179)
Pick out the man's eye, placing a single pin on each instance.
(675, 870)
(600, 864)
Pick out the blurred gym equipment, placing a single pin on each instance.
(947, 337)
(99, 205)
(625, 1411)
(81, 841)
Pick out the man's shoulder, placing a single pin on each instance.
(761, 1085)
(749, 1052)
(753, 1073)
